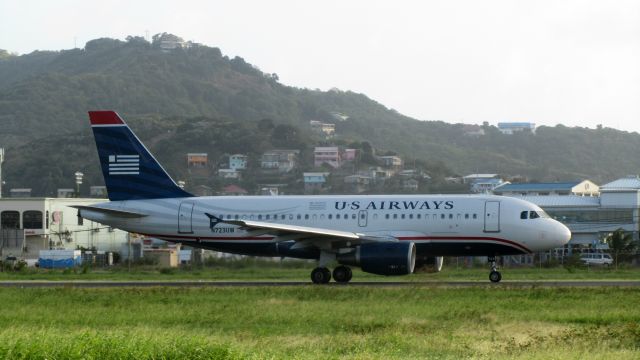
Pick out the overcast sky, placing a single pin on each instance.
(574, 62)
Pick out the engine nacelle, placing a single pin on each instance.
(429, 264)
(388, 258)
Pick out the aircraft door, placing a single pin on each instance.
(184, 218)
(492, 216)
(362, 218)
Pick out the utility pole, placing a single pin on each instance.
(1, 161)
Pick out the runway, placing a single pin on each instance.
(206, 283)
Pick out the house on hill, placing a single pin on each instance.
(329, 155)
(509, 128)
(237, 162)
(281, 161)
(314, 181)
(197, 160)
(233, 190)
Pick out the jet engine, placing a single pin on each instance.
(430, 264)
(387, 258)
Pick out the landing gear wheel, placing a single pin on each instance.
(342, 274)
(320, 275)
(494, 275)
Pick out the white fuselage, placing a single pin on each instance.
(454, 225)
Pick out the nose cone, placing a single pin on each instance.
(562, 233)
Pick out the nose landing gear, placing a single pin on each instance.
(494, 275)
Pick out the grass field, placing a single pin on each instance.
(320, 322)
(258, 269)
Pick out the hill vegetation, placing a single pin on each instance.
(192, 98)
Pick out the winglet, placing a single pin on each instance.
(105, 118)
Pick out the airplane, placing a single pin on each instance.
(381, 234)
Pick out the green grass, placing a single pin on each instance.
(320, 322)
(260, 270)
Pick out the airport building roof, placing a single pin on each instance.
(629, 183)
(562, 200)
(525, 187)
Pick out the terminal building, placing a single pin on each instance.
(590, 212)
(28, 225)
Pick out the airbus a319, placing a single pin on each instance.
(381, 234)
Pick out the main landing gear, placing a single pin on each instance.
(494, 275)
(322, 275)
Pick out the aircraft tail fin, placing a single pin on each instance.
(130, 171)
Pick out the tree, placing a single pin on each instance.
(622, 245)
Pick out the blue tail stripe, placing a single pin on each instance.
(130, 171)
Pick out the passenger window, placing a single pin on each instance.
(346, 216)
(298, 217)
(450, 216)
(523, 215)
(353, 216)
(418, 216)
(475, 216)
(267, 217)
(395, 216)
(402, 216)
(466, 216)
(410, 216)
(338, 216)
(237, 217)
(386, 216)
(330, 216)
(442, 216)
(306, 216)
(260, 217)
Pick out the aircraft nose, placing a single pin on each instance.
(563, 234)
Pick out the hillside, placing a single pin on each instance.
(44, 97)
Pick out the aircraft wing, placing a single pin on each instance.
(304, 235)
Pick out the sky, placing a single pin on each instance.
(570, 62)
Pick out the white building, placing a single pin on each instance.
(509, 128)
(29, 225)
(471, 178)
(281, 160)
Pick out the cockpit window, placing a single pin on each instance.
(543, 214)
(533, 215)
(523, 215)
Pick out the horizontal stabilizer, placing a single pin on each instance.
(110, 212)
